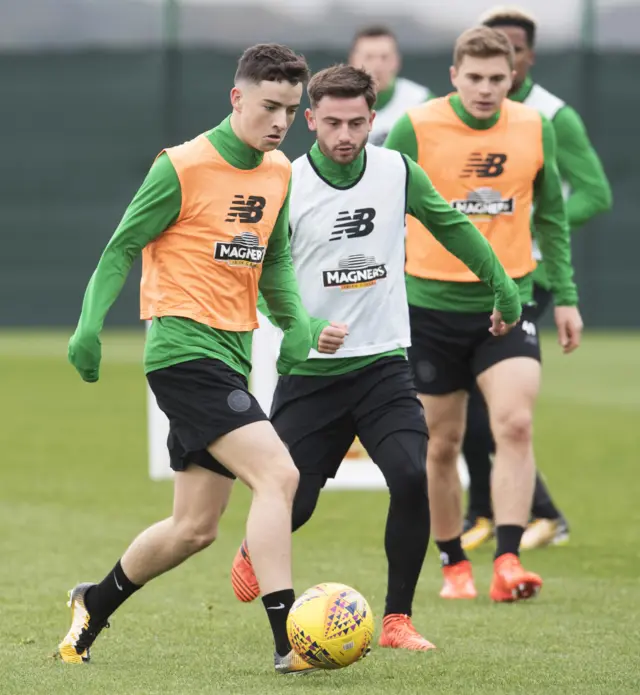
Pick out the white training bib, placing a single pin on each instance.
(348, 251)
(406, 95)
(544, 102)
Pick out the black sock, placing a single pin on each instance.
(105, 598)
(451, 552)
(401, 458)
(509, 538)
(543, 506)
(278, 604)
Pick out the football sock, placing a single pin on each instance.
(508, 539)
(278, 604)
(451, 552)
(105, 598)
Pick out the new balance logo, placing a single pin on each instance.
(357, 225)
(247, 211)
(484, 166)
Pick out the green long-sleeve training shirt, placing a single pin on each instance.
(172, 340)
(452, 229)
(580, 170)
(549, 220)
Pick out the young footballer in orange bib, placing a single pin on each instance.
(211, 220)
(494, 160)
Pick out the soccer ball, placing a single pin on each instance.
(330, 626)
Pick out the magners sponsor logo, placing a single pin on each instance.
(484, 202)
(355, 272)
(242, 250)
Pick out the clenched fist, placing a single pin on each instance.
(332, 338)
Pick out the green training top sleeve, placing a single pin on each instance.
(402, 138)
(550, 223)
(279, 288)
(458, 235)
(581, 168)
(155, 207)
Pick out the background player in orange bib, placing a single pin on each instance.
(493, 159)
(212, 217)
(587, 193)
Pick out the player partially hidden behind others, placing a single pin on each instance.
(587, 194)
(211, 220)
(375, 49)
(494, 159)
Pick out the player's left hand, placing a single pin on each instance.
(85, 353)
(332, 338)
(569, 324)
(498, 326)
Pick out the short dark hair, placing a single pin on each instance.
(343, 82)
(483, 42)
(511, 17)
(372, 31)
(272, 62)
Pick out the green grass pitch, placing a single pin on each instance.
(74, 490)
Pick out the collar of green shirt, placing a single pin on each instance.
(468, 119)
(384, 96)
(338, 175)
(233, 150)
(523, 91)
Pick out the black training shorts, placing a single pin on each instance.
(203, 400)
(450, 349)
(318, 417)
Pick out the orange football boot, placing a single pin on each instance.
(243, 578)
(458, 581)
(398, 633)
(511, 582)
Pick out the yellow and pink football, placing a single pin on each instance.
(331, 626)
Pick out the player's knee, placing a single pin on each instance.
(196, 535)
(289, 478)
(515, 427)
(444, 448)
(281, 479)
(410, 483)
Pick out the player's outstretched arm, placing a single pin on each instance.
(552, 231)
(581, 168)
(155, 206)
(454, 231)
